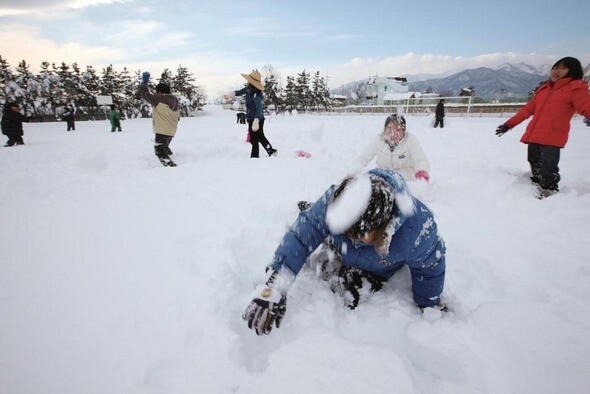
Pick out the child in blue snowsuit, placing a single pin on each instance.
(375, 227)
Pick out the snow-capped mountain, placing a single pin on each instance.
(506, 80)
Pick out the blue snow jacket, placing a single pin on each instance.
(253, 102)
(415, 242)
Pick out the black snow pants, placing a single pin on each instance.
(544, 160)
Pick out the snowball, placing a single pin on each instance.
(350, 205)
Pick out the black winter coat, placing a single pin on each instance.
(68, 117)
(440, 110)
(12, 123)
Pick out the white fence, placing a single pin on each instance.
(454, 106)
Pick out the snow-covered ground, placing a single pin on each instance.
(118, 275)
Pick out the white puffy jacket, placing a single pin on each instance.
(407, 157)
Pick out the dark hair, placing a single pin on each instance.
(163, 88)
(113, 106)
(10, 104)
(379, 211)
(574, 66)
(395, 118)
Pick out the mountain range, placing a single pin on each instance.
(506, 81)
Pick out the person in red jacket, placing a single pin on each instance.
(552, 108)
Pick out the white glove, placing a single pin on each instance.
(267, 307)
(255, 124)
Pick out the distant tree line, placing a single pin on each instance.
(46, 93)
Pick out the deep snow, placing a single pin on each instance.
(118, 275)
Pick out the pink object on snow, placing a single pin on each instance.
(302, 153)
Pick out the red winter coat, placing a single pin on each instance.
(552, 108)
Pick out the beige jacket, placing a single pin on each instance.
(166, 113)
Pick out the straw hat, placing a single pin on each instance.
(255, 79)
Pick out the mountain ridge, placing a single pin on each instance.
(505, 81)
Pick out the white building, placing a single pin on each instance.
(338, 100)
(380, 87)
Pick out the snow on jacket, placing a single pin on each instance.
(12, 123)
(552, 108)
(166, 111)
(414, 242)
(253, 102)
(407, 157)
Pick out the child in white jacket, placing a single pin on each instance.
(397, 149)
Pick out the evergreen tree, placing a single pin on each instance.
(302, 91)
(68, 83)
(110, 83)
(184, 88)
(50, 88)
(128, 94)
(272, 92)
(166, 77)
(55, 86)
(28, 90)
(130, 91)
(59, 98)
(91, 83)
(6, 78)
(320, 93)
(290, 100)
(79, 90)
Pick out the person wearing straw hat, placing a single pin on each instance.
(254, 113)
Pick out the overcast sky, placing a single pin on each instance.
(344, 40)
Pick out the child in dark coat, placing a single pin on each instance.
(69, 118)
(12, 124)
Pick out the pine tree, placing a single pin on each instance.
(91, 83)
(290, 100)
(302, 92)
(57, 86)
(166, 77)
(50, 88)
(126, 89)
(68, 83)
(128, 94)
(28, 91)
(79, 90)
(188, 94)
(272, 92)
(6, 78)
(320, 93)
